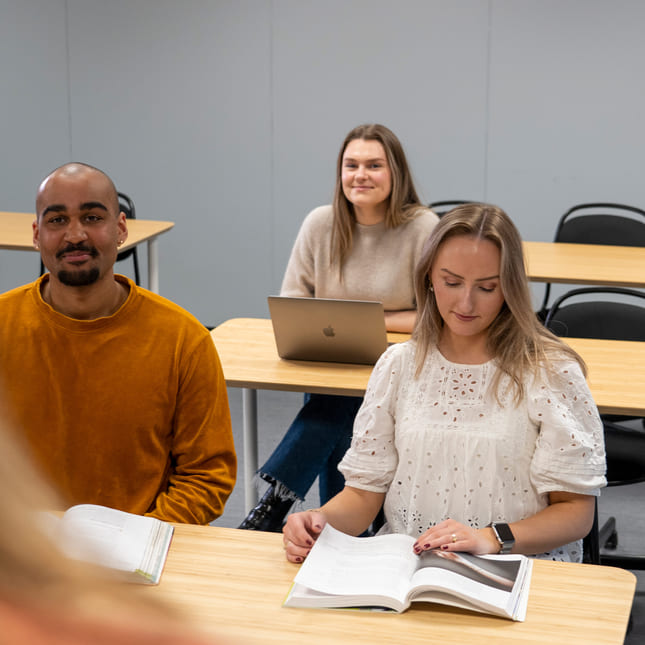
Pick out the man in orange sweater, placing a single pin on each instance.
(119, 392)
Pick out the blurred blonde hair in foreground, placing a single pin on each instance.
(47, 599)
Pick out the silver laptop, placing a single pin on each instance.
(321, 329)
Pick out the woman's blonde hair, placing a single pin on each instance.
(517, 340)
(403, 202)
(39, 582)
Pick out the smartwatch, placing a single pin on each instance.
(504, 536)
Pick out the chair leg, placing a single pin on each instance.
(607, 535)
(608, 540)
(135, 259)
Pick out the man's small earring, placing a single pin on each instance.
(431, 288)
(119, 243)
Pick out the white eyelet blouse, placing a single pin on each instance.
(441, 446)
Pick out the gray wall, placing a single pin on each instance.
(225, 116)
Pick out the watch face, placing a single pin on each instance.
(504, 532)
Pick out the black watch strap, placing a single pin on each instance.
(504, 536)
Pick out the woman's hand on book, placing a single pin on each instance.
(300, 532)
(451, 535)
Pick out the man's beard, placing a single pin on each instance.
(78, 278)
(81, 278)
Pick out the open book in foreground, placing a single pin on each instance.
(134, 545)
(383, 571)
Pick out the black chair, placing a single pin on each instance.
(127, 206)
(591, 542)
(622, 318)
(598, 223)
(441, 208)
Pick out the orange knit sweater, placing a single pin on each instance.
(129, 411)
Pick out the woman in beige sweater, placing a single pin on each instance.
(362, 247)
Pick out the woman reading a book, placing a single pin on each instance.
(480, 433)
(363, 247)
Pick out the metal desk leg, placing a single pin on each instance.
(250, 425)
(153, 265)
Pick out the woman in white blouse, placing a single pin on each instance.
(480, 434)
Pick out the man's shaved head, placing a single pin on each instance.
(77, 169)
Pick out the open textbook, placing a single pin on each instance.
(383, 571)
(134, 545)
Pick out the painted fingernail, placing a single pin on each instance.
(426, 545)
(298, 559)
(309, 542)
(444, 547)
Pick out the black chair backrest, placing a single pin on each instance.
(602, 223)
(127, 206)
(598, 223)
(625, 460)
(441, 208)
(622, 319)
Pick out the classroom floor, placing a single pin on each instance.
(276, 411)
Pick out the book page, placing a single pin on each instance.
(106, 536)
(489, 582)
(343, 565)
(496, 573)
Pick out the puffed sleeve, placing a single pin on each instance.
(371, 461)
(570, 448)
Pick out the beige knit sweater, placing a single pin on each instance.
(380, 265)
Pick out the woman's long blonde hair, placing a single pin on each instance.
(403, 202)
(518, 341)
(37, 580)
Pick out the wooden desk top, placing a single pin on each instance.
(595, 264)
(246, 347)
(616, 373)
(233, 583)
(16, 231)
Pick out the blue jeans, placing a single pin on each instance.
(314, 444)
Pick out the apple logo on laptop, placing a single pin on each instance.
(329, 331)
